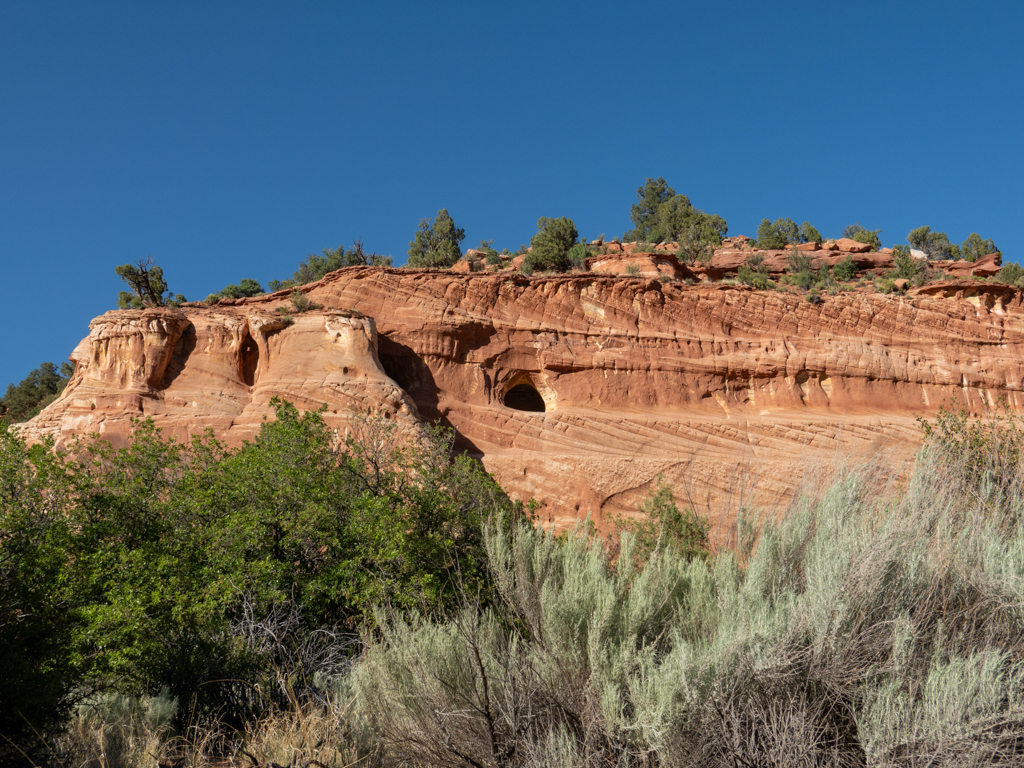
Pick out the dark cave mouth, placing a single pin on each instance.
(524, 397)
(250, 359)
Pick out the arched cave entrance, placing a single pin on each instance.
(249, 360)
(524, 397)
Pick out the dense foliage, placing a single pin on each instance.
(315, 267)
(437, 242)
(862, 235)
(1011, 273)
(937, 246)
(160, 566)
(246, 287)
(863, 627)
(776, 235)
(551, 246)
(41, 387)
(974, 247)
(661, 215)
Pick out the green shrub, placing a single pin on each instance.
(436, 243)
(316, 267)
(907, 266)
(661, 215)
(777, 235)
(663, 524)
(578, 256)
(551, 245)
(935, 244)
(302, 303)
(980, 454)
(845, 269)
(239, 572)
(973, 248)
(1011, 274)
(41, 603)
(754, 273)
(862, 235)
(33, 393)
(632, 269)
(245, 288)
(809, 234)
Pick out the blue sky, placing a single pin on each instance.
(231, 139)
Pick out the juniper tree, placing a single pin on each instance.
(436, 243)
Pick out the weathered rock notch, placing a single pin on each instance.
(249, 360)
(524, 397)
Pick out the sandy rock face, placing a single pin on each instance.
(576, 390)
(193, 369)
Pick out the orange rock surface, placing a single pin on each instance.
(732, 395)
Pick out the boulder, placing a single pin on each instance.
(852, 246)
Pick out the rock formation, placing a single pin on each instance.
(577, 390)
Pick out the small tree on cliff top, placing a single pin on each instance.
(437, 242)
(148, 285)
(550, 247)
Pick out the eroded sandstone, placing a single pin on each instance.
(732, 395)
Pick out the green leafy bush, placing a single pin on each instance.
(1012, 274)
(776, 235)
(550, 247)
(862, 235)
(41, 670)
(661, 215)
(298, 533)
(935, 244)
(973, 248)
(316, 267)
(301, 302)
(845, 269)
(663, 524)
(907, 266)
(33, 393)
(436, 243)
(246, 287)
(754, 273)
(578, 256)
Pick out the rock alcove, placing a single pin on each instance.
(524, 397)
(249, 360)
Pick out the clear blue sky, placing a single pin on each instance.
(231, 139)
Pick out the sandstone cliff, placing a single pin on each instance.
(725, 391)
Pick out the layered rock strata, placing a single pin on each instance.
(734, 396)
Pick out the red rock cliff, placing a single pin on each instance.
(723, 390)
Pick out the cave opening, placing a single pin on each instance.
(524, 397)
(250, 359)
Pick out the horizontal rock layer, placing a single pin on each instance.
(732, 395)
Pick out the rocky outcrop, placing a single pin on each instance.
(576, 390)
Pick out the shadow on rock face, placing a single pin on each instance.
(413, 375)
(179, 358)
